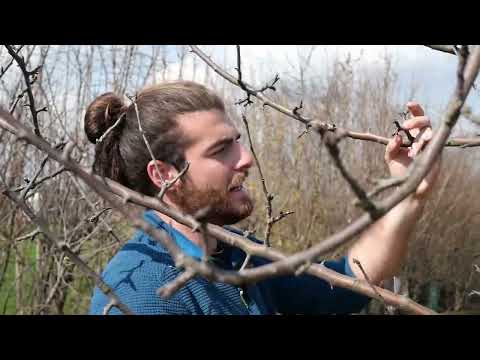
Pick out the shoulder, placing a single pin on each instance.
(135, 273)
(139, 255)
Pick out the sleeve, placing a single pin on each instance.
(138, 290)
(307, 294)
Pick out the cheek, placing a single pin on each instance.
(210, 173)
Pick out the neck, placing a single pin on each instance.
(208, 245)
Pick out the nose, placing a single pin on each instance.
(246, 159)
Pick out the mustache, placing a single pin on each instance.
(238, 179)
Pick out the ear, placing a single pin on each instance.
(161, 172)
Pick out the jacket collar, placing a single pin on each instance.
(186, 245)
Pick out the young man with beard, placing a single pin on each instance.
(185, 122)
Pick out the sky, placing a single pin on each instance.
(431, 72)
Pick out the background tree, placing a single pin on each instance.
(35, 278)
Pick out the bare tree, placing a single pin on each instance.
(81, 236)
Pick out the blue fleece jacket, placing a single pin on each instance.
(143, 265)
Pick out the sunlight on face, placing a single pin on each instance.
(219, 165)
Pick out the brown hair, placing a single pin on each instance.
(122, 154)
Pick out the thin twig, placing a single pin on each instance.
(26, 74)
(104, 135)
(245, 262)
(246, 87)
(268, 196)
(356, 262)
(167, 290)
(109, 306)
(239, 66)
(443, 48)
(61, 246)
(35, 184)
(246, 234)
(282, 265)
(307, 121)
(3, 70)
(384, 184)
(302, 268)
(92, 207)
(259, 250)
(330, 141)
(168, 184)
(165, 184)
(281, 216)
(29, 235)
(32, 182)
(17, 100)
(420, 169)
(147, 144)
(94, 218)
(250, 90)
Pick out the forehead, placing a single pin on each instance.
(205, 127)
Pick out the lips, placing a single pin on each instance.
(236, 188)
(237, 183)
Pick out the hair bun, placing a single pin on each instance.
(101, 114)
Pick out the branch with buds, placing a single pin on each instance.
(30, 77)
(281, 265)
(249, 90)
(310, 122)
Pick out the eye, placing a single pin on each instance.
(220, 150)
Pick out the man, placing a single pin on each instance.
(219, 164)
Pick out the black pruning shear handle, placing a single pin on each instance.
(410, 137)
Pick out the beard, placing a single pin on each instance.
(220, 208)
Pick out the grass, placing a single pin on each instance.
(7, 288)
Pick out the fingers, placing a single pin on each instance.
(418, 145)
(417, 122)
(392, 148)
(415, 108)
(419, 126)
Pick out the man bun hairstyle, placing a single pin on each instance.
(121, 153)
(101, 115)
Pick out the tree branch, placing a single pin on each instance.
(268, 196)
(444, 48)
(100, 139)
(330, 141)
(62, 247)
(26, 74)
(165, 184)
(294, 114)
(104, 186)
(468, 71)
(169, 289)
(250, 90)
(94, 218)
(35, 184)
(3, 70)
(359, 264)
